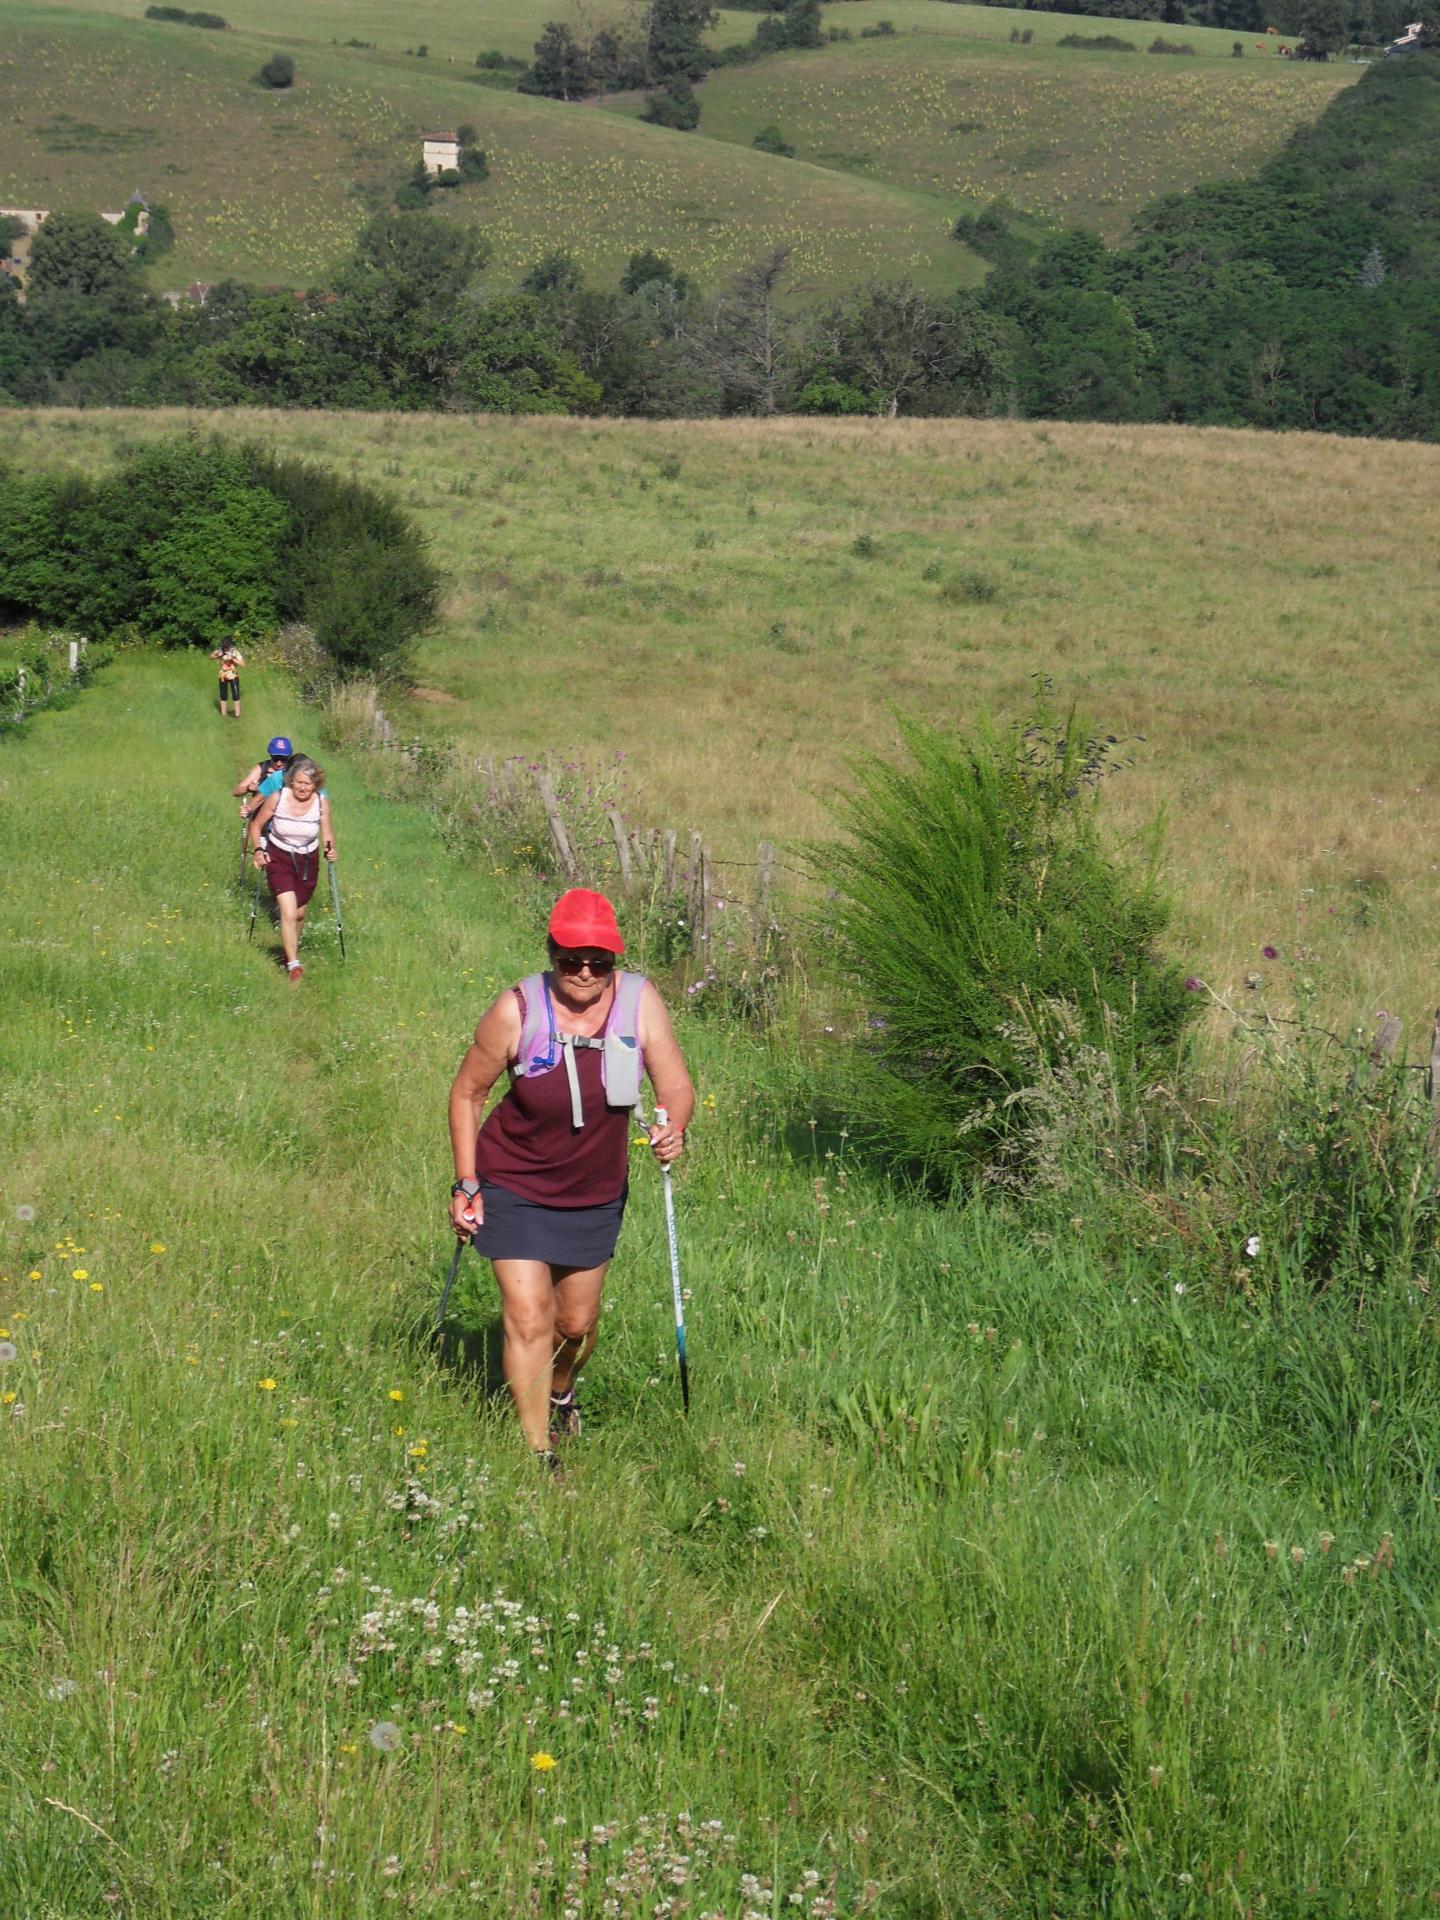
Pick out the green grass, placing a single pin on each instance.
(992, 1575)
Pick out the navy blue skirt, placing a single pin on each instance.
(518, 1229)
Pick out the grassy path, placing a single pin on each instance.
(991, 1576)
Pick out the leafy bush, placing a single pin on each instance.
(277, 73)
(190, 541)
(882, 30)
(1160, 45)
(352, 566)
(675, 106)
(972, 891)
(770, 140)
(493, 61)
(181, 17)
(1097, 42)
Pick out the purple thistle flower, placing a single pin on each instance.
(1270, 953)
(1194, 984)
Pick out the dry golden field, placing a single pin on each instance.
(1263, 610)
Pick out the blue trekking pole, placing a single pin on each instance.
(661, 1117)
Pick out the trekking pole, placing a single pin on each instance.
(661, 1118)
(339, 923)
(255, 903)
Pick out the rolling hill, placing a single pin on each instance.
(896, 136)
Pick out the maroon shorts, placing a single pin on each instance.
(294, 873)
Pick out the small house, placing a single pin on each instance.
(440, 152)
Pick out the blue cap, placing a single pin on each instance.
(280, 748)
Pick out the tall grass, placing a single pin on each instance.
(993, 1573)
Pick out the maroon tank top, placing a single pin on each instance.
(530, 1146)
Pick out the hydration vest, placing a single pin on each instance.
(543, 1048)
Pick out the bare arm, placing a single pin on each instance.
(665, 1066)
(248, 784)
(259, 820)
(496, 1042)
(327, 831)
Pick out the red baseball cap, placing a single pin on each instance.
(581, 918)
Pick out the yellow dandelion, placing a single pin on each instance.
(157, 1246)
(348, 1746)
(290, 1421)
(398, 1432)
(97, 1286)
(80, 1273)
(7, 1399)
(267, 1386)
(396, 1394)
(542, 1762)
(34, 1274)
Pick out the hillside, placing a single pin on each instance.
(276, 189)
(949, 106)
(895, 136)
(755, 599)
(993, 1573)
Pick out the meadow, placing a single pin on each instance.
(994, 1573)
(750, 602)
(896, 137)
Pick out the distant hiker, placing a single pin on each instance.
(265, 777)
(541, 1191)
(288, 831)
(231, 661)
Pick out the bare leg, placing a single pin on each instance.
(527, 1304)
(577, 1312)
(289, 926)
(299, 926)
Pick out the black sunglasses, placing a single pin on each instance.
(600, 964)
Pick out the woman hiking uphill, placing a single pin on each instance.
(541, 1191)
(287, 833)
(231, 661)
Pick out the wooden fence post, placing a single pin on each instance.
(668, 856)
(1432, 1078)
(1387, 1039)
(74, 658)
(764, 878)
(622, 849)
(695, 893)
(563, 851)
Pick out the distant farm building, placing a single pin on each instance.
(440, 152)
(1409, 41)
(31, 219)
(142, 212)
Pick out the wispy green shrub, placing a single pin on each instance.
(972, 887)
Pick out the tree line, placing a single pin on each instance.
(1305, 297)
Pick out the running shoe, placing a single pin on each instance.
(564, 1417)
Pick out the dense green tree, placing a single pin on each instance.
(1324, 28)
(674, 43)
(85, 295)
(560, 70)
(392, 326)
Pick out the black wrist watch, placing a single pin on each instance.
(468, 1187)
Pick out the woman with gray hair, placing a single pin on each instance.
(287, 831)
